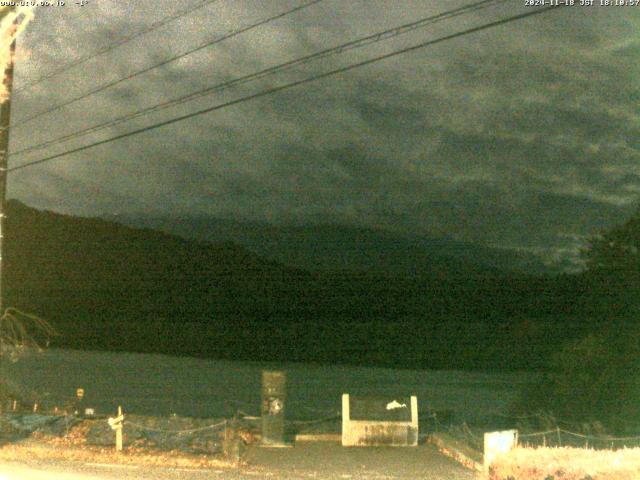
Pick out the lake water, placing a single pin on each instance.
(161, 385)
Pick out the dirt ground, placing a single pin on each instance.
(325, 460)
(317, 460)
(77, 450)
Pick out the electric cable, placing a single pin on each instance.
(358, 43)
(133, 75)
(289, 85)
(114, 45)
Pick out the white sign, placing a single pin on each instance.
(116, 422)
(395, 405)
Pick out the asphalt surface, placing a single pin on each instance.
(304, 461)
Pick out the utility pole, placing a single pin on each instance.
(5, 119)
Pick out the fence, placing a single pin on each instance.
(556, 437)
(228, 436)
(462, 441)
(560, 437)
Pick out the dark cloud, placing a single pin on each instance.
(524, 136)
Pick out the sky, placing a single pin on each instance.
(523, 136)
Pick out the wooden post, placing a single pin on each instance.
(346, 417)
(117, 425)
(119, 430)
(5, 116)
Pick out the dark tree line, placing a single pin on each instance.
(106, 286)
(596, 377)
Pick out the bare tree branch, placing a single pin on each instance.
(20, 331)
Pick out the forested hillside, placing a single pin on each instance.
(107, 286)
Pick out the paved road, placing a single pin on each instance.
(77, 471)
(305, 461)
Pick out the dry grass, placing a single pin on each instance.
(74, 447)
(567, 464)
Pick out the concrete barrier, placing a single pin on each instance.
(391, 422)
(496, 443)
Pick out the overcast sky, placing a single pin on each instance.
(522, 136)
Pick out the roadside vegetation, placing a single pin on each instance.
(567, 464)
(594, 379)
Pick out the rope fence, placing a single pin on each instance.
(553, 436)
(463, 432)
(317, 421)
(538, 428)
(518, 417)
(245, 416)
(536, 434)
(317, 410)
(560, 437)
(215, 426)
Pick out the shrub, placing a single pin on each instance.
(592, 380)
(566, 464)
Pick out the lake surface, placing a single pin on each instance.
(149, 384)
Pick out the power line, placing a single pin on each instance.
(116, 44)
(169, 60)
(290, 85)
(358, 43)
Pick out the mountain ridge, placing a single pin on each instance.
(107, 286)
(341, 247)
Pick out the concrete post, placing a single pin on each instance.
(345, 412)
(414, 413)
(273, 408)
(119, 430)
(496, 443)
